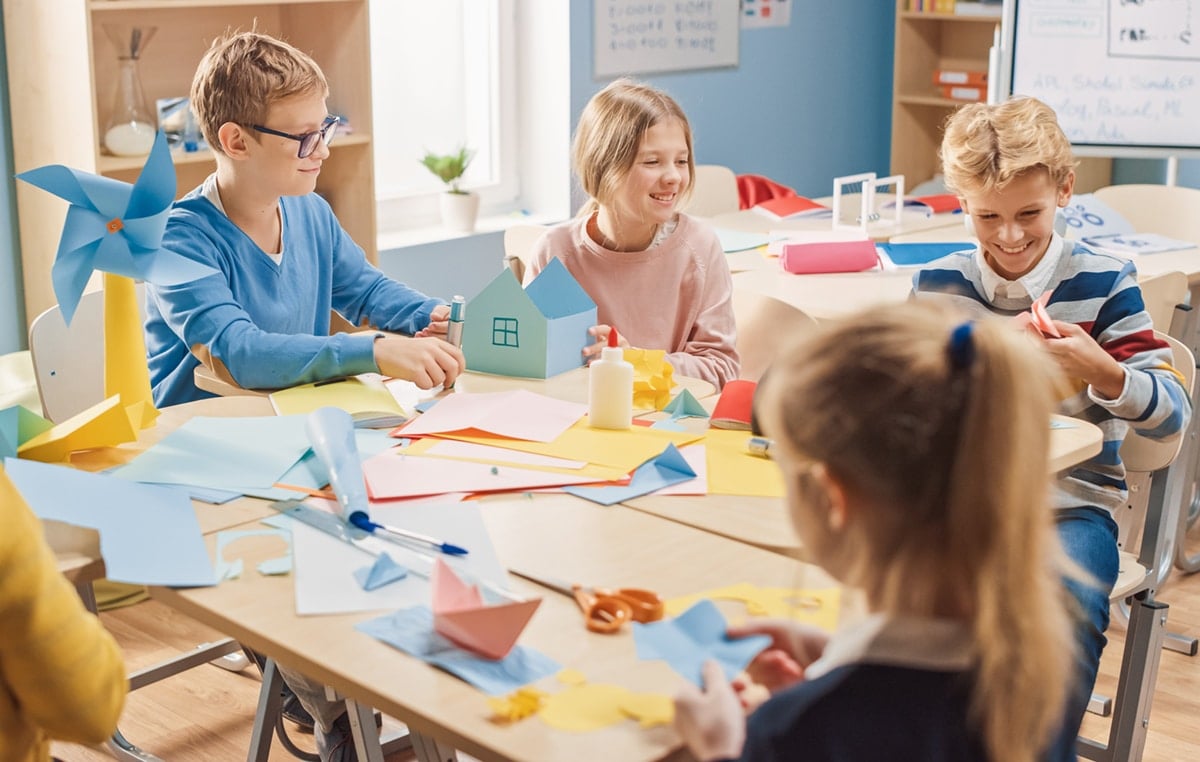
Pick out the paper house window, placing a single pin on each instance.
(504, 332)
(533, 332)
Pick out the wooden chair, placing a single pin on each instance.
(765, 326)
(714, 191)
(518, 247)
(1170, 210)
(1151, 466)
(68, 361)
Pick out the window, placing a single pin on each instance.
(504, 332)
(443, 76)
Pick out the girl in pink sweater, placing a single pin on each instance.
(657, 275)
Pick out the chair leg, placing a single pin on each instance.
(1135, 686)
(1180, 643)
(427, 749)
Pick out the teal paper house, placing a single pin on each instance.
(534, 332)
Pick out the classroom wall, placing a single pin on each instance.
(12, 303)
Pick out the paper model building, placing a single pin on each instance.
(461, 615)
(535, 332)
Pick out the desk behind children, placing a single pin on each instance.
(752, 221)
(557, 536)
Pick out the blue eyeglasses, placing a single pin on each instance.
(308, 141)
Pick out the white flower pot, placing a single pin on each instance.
(459, 211)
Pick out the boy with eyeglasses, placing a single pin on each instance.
(282, 260)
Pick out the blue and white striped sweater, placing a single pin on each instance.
(1099, 293)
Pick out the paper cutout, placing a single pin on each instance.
(391, 476)
(668, 424)
(621, 449)
(533, 332)
(732, 470)
(521, 703)
(652, 378)
(384, 571)
(519, 414)
(226, 569)
(585, 708)
(670, 467)
(102, 425)
(148, 535)
(1041, 319)
(685, 405)
(649, 709)
(819, 607)
(696, 635)
(449, 448)
(126, 373)
(114, 226)
(461, 615)
(411, 630)
(19, 424)
(570, 676)
(696, 457)
(354, 395)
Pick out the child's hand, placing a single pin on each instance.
(427, 362)
(601, 331)
(1079, 356)
(439, 322)
(793, 647)
(711, 722)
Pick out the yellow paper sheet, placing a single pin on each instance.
(125, 370)
(600, 473)
(652, 378)
(818, 607)
(623, 450)
(102, 425)
(732, 470)
(354, 395)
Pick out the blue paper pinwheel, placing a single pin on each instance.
(114, 226)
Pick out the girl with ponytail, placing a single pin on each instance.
(914, 447)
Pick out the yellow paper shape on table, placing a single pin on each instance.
(125, 370)
(521, 703)
(818, 607)
(732, 470)
(104, 424)
(584, 707)
(354, 395)
(570, 676)
(461, 615)
(652, 378)
(649, 709)
(624, 450)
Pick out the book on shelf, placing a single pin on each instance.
(969, 77)
(792, 207)
(964, 93)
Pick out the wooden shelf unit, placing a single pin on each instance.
(62, 76)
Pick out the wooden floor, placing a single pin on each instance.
(206, 714)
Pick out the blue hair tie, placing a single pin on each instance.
(961, 348)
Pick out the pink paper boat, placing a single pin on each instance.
(1041, 319)
(460, 614)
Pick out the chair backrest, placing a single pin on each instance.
(765, 326)
(518, 247)
(1162, 293)
(714, 191)
(68, 361)
(1169, 210)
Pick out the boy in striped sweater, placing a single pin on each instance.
(1011, 165)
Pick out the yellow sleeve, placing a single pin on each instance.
(61, 672)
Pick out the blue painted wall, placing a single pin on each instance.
(12, 302)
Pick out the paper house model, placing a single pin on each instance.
(535, 332)
(461, 615)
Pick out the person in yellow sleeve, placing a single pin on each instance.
(61, 673)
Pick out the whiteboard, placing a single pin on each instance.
(1122, 75)
(642, 36)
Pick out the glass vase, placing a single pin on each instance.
(131, 124)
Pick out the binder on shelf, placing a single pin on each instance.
(970, 77)
(964, 93)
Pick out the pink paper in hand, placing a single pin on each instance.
(1041, 319)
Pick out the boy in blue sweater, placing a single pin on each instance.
(282, 260)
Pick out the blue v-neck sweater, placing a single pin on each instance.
(267, 323)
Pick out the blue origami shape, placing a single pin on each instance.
(384, 571)
(667, 468)
(693, 637)
(685, 405)
(115, 227)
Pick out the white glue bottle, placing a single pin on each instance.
(610, 388)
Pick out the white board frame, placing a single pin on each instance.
(648, 36)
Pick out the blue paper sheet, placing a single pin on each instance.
(920, 253)
(411, 630)
(148, 534)
(237, 454)
(663, 470)
(310, 473)
(694, 636)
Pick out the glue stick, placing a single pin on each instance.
(610, 388)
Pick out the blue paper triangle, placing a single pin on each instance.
(556, 293)
(685, 405)
(383, 572)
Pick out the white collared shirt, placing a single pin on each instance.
(920, 643)
(1032, 284)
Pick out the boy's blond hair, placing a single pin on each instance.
(242, 75)
(610, 133)
(986, 146)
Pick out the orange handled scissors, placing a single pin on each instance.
(606, 611)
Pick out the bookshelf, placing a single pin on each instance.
(62, 76)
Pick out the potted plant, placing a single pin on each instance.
(459, 207)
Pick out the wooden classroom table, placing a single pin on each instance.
(555, 535)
